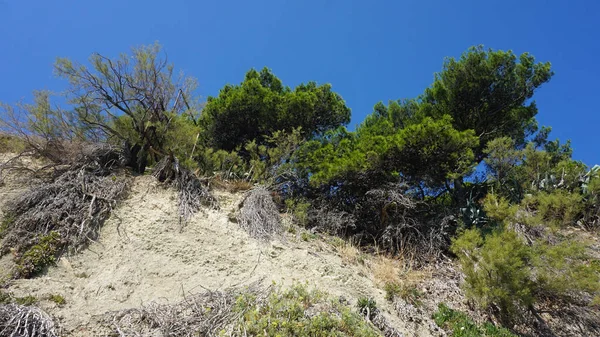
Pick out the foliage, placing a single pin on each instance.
(300, 312)
(488, 92)
(9, 298)
(427, 153)
(261, 105)
(462, 326)
(5, 223)
(556, 209)
(40, 255)
(495, 269)
(133, 100)
(502, 158)
(11, 144)
(502, 270)
(367, 307)
(25, 301)
(58, 299)
(299, 209)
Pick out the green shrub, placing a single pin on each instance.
(556, 209)
(5, 297)
(40, 255)
(501, 270)
(11, 144)
(392, 289)
(299, 312)
(496, 270)
(564, 268)
(299, 209)
(8, 298)
(460, 325)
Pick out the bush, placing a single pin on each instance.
(556, 209)
(502, 271)
(462, 326)
(40, 255)
(300, 312)
(58, 299)
(11, 144)
(7, 220)
(299, 209)
(495, 269)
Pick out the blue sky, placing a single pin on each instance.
(369, 50)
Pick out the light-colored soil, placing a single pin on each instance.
(143, 256)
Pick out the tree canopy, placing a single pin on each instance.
(488, 92)
(261, 104)
(131, 99)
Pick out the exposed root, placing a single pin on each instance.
(193, 194)
(18, 320)
(74, 204)
(259, 215)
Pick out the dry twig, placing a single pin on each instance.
(18, 320)
(259, 215)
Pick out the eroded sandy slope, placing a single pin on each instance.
(142, 256)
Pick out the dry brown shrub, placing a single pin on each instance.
(231, 186)
(258, 214)
(385, 270)
(349, 253)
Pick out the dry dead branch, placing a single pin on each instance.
(203, 314)
(18, 320)
(193, 192)
(74, 203)
(259, 215)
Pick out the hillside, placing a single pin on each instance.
(142, 256)
(139, 210)
(145, 257)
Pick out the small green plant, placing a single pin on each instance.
(5, 297)
(392, 289)
(461, 325)
(367, 307)
(306, 236)
(5, 223)
(58, 299)
(82, 275)
(26, 301)
(292, 229)
(299, 312)
(11, 144)
(40, 255)
(410, 294)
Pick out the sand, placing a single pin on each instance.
(144, 255)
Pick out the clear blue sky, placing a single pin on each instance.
(369, 50)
